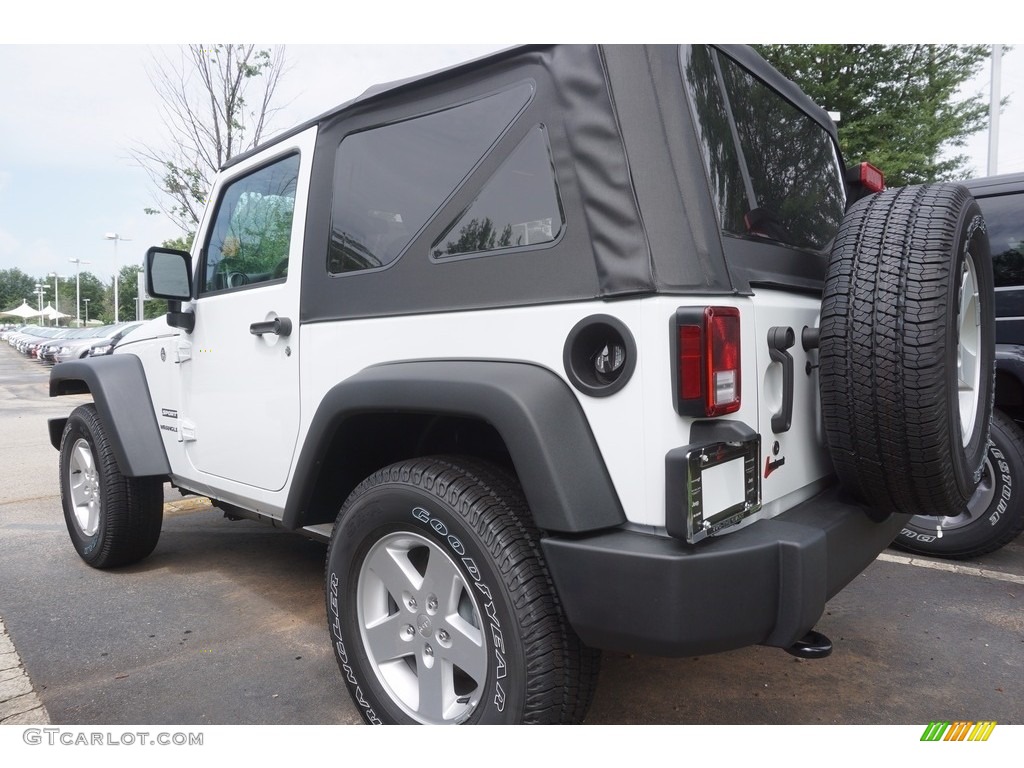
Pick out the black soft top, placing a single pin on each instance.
(639, 212)
(742, 54)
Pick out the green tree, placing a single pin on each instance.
(65, 301)
(478, 235)
(15, 287)
(216, 102)
(66, 298)
(128, 293)
(183, 243)
(96, 298)
(900, 105)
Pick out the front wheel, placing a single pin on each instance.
(995, 514)
(440, 606)
(112, 519)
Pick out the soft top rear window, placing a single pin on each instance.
(773, 170)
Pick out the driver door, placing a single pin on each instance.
(240, 365)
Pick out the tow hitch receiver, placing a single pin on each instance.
(813, 645)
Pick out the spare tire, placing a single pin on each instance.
(907, 350)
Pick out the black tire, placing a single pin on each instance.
(891, 348)
(112, 519)
(502, 647)
(995, 514)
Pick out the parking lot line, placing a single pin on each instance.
(951, 567)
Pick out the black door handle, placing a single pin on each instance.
(280, 326)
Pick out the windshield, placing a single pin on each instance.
(774, 171)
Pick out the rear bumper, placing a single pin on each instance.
(764, 584)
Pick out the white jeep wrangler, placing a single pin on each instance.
(566, 348)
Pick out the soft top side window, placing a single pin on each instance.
(517, 207)
(389, 181)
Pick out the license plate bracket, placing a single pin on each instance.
(723, 486)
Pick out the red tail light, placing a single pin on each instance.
(707, 361)
(723, 360)
(870, 177)
(691, 367)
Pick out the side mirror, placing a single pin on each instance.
(169, 276)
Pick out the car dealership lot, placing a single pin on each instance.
(224, 623)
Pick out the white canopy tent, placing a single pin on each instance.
(24, 311)
(52, 314)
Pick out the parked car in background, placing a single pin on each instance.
(47, 353)
(35, 337)
(9, 331)
(81, 345)
(56, 345)
(995, 514)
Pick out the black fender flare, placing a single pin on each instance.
(118, 387)
(548, 437)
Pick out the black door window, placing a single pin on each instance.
(249, 241)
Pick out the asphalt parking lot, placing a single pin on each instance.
(224, 624)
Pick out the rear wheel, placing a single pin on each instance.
(440, 606)
(907, 350)
(995, 514)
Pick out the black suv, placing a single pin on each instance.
(995, 514)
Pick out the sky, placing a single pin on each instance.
(73, 113)
(70, 113)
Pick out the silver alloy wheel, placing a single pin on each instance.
(84, 483)
(422, 628)
(976, 507)
(968, 349)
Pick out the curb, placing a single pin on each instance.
(19, 703)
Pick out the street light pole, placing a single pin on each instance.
(115, 237)
(40, 288)
(56, 298)
(993, 109)
(78, 289)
